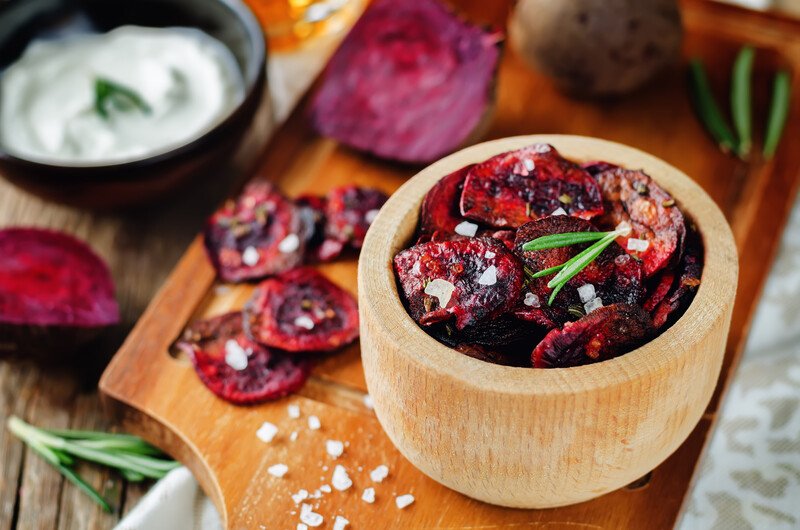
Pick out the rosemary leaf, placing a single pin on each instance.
(562, 240)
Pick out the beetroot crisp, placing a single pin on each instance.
(411, 82)
(529, 259)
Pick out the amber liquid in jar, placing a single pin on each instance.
(288, 23)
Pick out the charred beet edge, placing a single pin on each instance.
(55, 293)
(470, 284)
(411, 82)
(238, 369)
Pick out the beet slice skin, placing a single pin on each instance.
(216, 345)
(411, 82)
(301, 311)
(259, 234)
(440, 212)
(484, 276)
(633, 197)
(604, 333)
(349, 211)
(513, 188)
(48, 278)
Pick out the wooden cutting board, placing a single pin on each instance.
(157, 395)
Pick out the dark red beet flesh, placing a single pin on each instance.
(267, 375)
(302, 311)
(259, 234)
(440, 212)
(512, 188)
(602, 334)
(411, 82)
(48, 278)
(463, 263)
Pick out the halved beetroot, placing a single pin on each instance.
(683, 290)
(238, 369)
(301, 311)
(440, 212)
(259, 234)
(473, 280)
(633, 197)
(55, 292)
(602, 334)
(411, 82)
(512, 188)
(348, 213)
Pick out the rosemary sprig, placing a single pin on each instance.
(109, 94)
(740, 98)
(707, 108)
(778, 112)
(570, 268)
(134, 458)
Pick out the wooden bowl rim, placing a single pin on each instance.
(384, 238)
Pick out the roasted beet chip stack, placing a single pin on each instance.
(470, 282)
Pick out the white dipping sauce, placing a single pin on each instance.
(188, 80)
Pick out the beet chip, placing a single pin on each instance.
(473, 280)
(602, 334)
(513, 188)
(349, 212)
(312, 209)
(301, 311)
(259, 234)
(657, 225)
(411, 82)
(237, 369)
(440, 211)
(597, 167)
(682, 293)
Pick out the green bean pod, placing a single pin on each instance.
(778, 112)
(741, 105)
(707, 108)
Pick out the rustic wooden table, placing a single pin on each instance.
(141, 246)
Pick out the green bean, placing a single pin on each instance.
(778, 112)
(740, 98)
(707, 107)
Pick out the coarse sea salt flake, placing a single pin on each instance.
(532, 300)
(467, 229)
(310, 518)
(293, 436)
(489, 254)
(489, 276)
(591, 305)
(278, 470)
(404, 500)
(294, 411)
(341, 480)
(335, 448)
(340, 523)
(638, 245)
(250, 256)
(370, 216)
(266, 433)
(313, 423)
(586, 292)
(368, 402)
(624, 228)
(302, 526)
(289, 243)
(368, 496)
(529, 165)
(379, 473)
(559, 211)
(235, 355)
(441, 289)
(325, 488)
(300, 496)
(304, 321)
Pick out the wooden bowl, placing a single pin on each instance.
(539, 438)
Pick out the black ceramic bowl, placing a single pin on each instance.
(108, 186)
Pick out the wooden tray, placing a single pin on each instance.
(159, 397)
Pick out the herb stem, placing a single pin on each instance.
(778, 113)
(707, 107)
(740, 98)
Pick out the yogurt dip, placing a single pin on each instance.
(116, 97)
